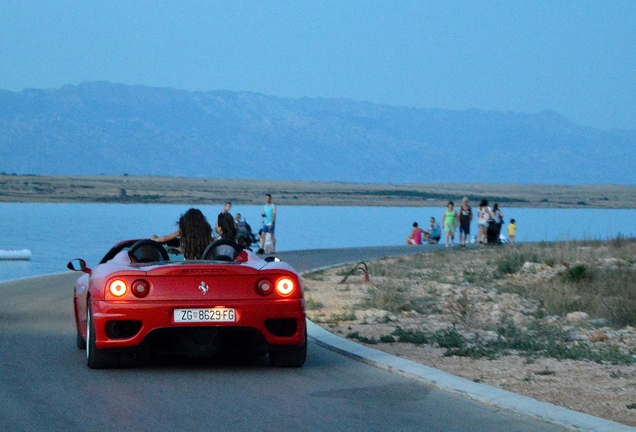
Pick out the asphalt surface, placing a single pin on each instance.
(46, 386)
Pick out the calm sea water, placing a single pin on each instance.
(56, 233)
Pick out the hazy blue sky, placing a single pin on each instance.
(575, 57)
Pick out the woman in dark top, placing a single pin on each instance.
(225, 226)
(465, 218)
(498, 217)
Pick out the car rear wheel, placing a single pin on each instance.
(81, 343)
(96, 358)
(294, 357)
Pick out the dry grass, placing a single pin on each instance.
(598, 278)
(140, 189)
(500, 317)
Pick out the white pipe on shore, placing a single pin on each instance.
(21, 254)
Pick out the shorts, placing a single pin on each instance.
(464, 228)
(267, 229)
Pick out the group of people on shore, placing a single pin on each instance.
(195, 232)
(419, 236)
(489, 223)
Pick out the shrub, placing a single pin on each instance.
(449, 338)
(478, 276)
(388, 297)
(511, 262)
(411, 336)
(616, 295)
(317, 275)
(423, 305)
(574, 274)
(345, 316)
(363, 339)
(619, 241)
(312, 304)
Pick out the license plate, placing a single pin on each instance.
(205, 315)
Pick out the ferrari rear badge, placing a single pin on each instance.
(204, 288)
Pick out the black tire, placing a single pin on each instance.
(96, 358)
(294, 357)
(81, 343)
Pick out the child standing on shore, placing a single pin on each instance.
(512, 229)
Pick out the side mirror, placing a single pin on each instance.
(78, 265)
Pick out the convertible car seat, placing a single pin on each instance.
(148, 251)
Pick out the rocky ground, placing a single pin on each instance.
(456, 312)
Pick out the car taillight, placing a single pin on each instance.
(265, 287)
(285, 286)
(140, 288)
(117, 287)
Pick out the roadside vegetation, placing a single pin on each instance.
(570, 300)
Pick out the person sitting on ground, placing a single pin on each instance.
(195, 234)
(244, 235)
(434, 232)
(416, 235)
(261, 239)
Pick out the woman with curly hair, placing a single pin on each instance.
(194, 232)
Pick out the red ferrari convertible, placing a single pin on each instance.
(138, 303)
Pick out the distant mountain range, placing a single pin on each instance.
(102, 128)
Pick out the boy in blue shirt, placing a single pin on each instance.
(434, 232)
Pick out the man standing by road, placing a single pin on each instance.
(269, 213)
(226, 209)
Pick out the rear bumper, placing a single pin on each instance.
(158, 318)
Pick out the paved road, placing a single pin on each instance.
(46, 386)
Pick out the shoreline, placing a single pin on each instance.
(181, 190)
